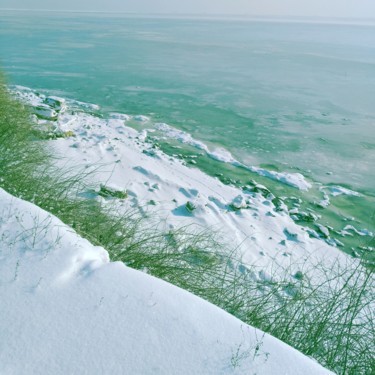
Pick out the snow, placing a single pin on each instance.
(67, 310)
(252, 223)
(120, 116)
(362, 232)
(334, 191)
(296, 180)
(141, 118)
(339, 190)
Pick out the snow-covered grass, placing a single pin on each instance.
(329, 319)
(67, 310)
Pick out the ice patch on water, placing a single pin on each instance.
(334, 191)
(296, 180)
(339, 190)
(325, 202)
(141, 118)
(88, 106)
(222, 155)
(362, 232)
(120, 116)
(181, 136)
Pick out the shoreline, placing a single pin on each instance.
(180, 195)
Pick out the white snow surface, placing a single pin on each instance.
(147, 174)
(264, 235)
(65, 309)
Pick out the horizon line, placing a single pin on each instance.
(361, 20)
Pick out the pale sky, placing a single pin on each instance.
(306, 8)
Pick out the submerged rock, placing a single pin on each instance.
(279, 204)
(45, 112)
(190, 206)
(323, 230)
(239, 202)
(259, 189)
(303, 216)
(312, 233)
(56, 103)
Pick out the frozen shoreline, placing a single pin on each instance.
(164, 186)
(296, 180)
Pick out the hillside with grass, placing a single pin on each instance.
(56, 255)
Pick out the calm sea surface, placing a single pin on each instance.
(295, 97)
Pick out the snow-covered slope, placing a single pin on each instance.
(66, 310)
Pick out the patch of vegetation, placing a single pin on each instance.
(109, 192)
(190, 206)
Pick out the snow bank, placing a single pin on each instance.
(66, 310)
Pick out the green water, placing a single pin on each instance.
(291, 97)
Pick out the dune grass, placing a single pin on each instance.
(330, 320)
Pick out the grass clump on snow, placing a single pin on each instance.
(330, 320)
(327, 314)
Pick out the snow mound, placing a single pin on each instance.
(67, 310)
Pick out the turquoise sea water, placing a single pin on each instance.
(286, 96)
